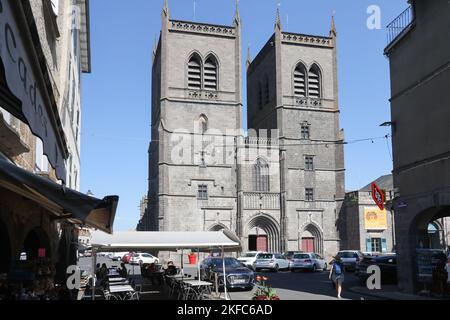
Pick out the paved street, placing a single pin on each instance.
(289, 286)
(305, 286)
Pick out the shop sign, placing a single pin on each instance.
(375, 219)
(22, 81)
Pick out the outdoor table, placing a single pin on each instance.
(119, 283)
(122, 291)
(198, 287)
(117, 280)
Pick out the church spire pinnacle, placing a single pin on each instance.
(249, 58)
(333, 31)
(166, 8)
(237, 17)
(278, 19)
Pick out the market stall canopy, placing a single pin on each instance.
(164, 241)
(63, 202)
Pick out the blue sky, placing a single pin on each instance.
(116, 95)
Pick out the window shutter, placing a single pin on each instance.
(314, 83)
(194, 74)
(369, 245)
(384, 245)
(210, 76)
(300, 82)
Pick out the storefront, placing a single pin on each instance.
(38, 219)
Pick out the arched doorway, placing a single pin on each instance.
(436, 237)
(36, 245)
(5, 249)
(311, 240)
(263, 234)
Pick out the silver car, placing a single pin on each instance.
(271, 261)
(350, 259)
(307, 261)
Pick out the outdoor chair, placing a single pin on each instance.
(108, 296)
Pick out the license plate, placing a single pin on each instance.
(239, 281)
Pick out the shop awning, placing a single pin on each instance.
(164, 241)
(63, 202)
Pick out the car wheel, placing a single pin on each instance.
(314, 268)
(277, 267)
(325, 267)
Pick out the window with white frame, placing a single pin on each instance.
(202, 192)
(41, 162)
(305, 131)
(309, 194)
(309, 163)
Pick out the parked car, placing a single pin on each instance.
(127, 257)
(387, 264)
(237, 276)
(307, 261)
(289, 254)
(143, 258)
(249, 258)
(117, 256)
(350, 258)
(271, 261)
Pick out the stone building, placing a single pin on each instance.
(418, 53)
(44, 48)
(281, 186)
(367, 228)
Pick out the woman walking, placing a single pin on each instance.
(337, 275)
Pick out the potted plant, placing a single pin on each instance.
(264, 291)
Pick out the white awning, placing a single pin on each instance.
(164, 241)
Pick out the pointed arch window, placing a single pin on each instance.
(194, 73)
(203, 121)
(210, 74)
(314, 82)
(261, 176)
(300, 81)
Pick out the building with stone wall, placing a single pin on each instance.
(418, 53)
(281, 186)
(367, 228)
(44, 47)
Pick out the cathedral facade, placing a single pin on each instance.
(279, 186)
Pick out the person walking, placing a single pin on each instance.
(337, 275)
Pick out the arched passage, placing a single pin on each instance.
(263, 234)
(5, 248)
(35, 240)
(311, 239)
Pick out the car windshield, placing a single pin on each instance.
(348, 255)
(301, 256)
(265, 256)
(249, 255)
(229, 262)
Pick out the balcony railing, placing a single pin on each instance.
(400, 24)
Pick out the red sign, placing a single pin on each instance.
(378, 196)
